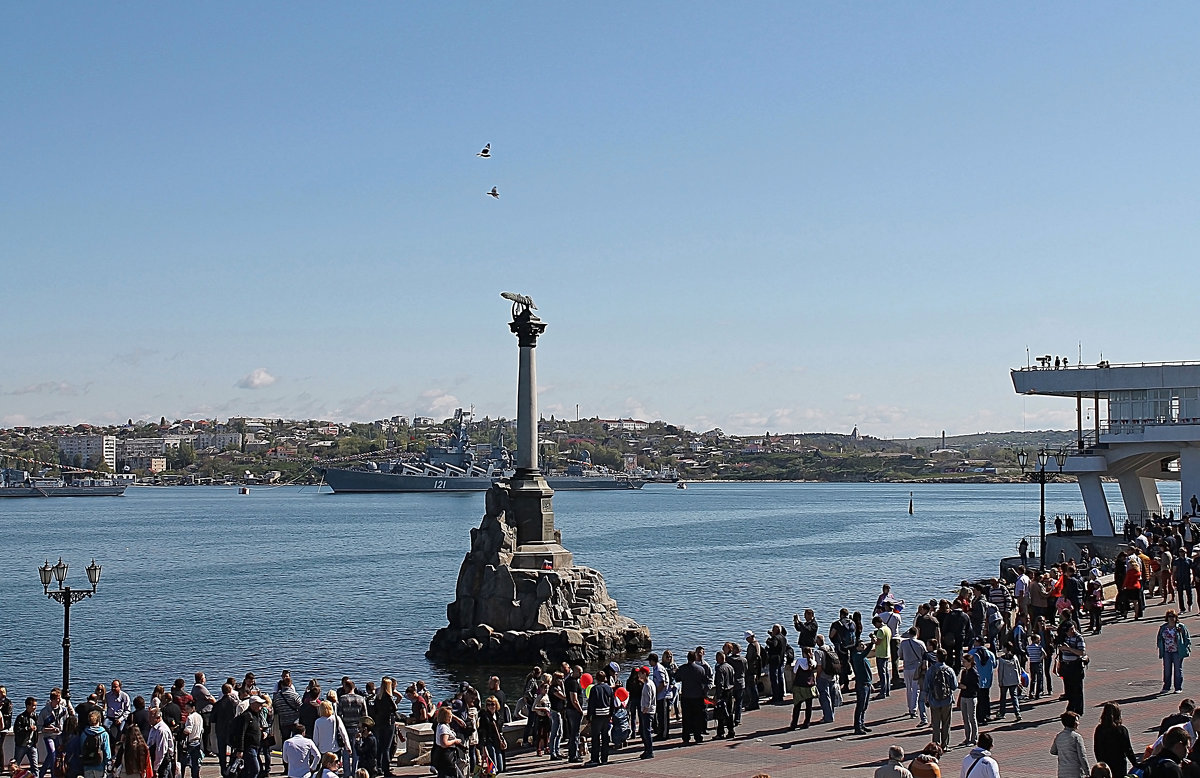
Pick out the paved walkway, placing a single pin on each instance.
(1124, 668)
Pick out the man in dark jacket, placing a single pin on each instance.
(693, 681)
(172, 714)
(25, 735)
(734, 658)
(843, 635)
(141, 716)
(956, 635)
(223, 712)
(776, 648)
(245, 737)
(807, 630)
(599, 711)
(723, 682)
(1174, 748)
(575, 711)
(754, 666)
(6, 716)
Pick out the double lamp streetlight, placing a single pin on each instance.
(68, 597)
(1043, 456)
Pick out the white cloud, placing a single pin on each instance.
(438, 404)
(257, 379)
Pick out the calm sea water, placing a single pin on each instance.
(202, 578)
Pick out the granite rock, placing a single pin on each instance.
(506, 615)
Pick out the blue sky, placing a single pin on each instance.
(784, 217)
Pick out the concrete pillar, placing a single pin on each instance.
(1189, 477)
(1140, 495)
(1096, 505)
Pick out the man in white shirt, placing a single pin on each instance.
(193, 738)
(301, 757)
(891, 619)
(646, 707)
(204, 705)
(161, 745)
(912, 651)
(1021, 591)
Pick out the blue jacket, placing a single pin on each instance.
(985, 670)
(105, 746)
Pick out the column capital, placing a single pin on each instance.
(527, 328)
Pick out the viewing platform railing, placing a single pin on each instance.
(1048, 364)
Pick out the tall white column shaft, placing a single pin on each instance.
(527, 414)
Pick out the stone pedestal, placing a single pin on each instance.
(527, 603)
(531, 505)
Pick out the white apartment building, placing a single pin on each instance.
(148, 447)
(218, 440)
(89, 448)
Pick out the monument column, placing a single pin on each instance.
(527, 328)
(520, 598)
(531, 498)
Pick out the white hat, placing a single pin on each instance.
(750, 633)
(259, 700)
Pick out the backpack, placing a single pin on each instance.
(847, 635)
(90, 752)
(943, 684)
(831, 665)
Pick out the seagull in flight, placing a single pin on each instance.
(494, 193)
(486, 153)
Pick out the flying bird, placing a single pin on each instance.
(486, 153)
(494, 193)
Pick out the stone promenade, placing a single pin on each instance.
(1124, 668)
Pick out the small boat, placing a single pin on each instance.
(244, 490)
(681, 485)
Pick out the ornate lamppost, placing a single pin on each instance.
(1039, 475)
(68, 597)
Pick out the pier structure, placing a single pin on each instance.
(520, 597)
(1146, 428)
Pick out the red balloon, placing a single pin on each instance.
(585, 680)
(622, 694)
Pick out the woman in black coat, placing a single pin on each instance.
(1111, 742)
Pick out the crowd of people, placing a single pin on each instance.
(170, 733)
(985, 654)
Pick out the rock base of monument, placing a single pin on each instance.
(506, 613)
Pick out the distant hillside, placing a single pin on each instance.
(1030, 441)
(982, 457)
